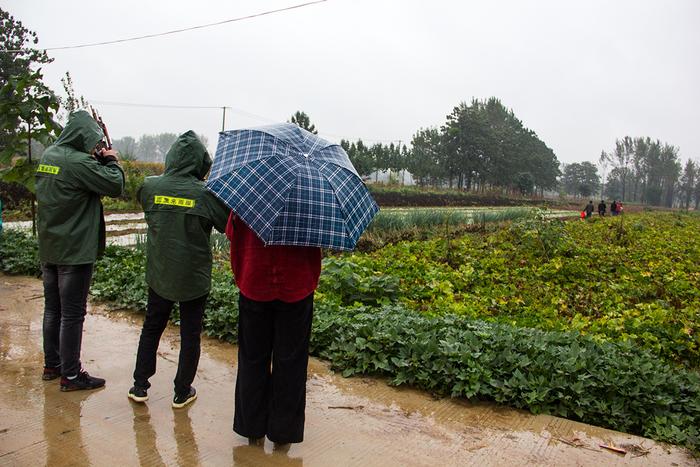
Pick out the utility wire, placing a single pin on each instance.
(174, 31)
(160, 106)
(234, 109)
(177, 106)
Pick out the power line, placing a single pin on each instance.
(178, 106)
(159, 106)
(233, 109)
(174, 31)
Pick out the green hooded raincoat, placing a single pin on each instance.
(69, 183)
(180, 214)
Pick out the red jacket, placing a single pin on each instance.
(265, 273)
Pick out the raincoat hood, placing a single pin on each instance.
(82, 132)
(188, 156)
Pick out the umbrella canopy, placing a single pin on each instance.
(291, 187)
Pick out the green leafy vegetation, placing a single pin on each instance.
(616, 385)
(630, 279)
(595, 321)
(19, 253)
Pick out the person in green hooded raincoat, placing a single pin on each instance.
(180, 214)
(70, 179)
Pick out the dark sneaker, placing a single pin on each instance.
(253, 441)
(138, 394)
(281, 447)
(82, 381)
(181, 401)
(51, 373)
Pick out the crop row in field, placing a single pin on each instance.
(615, 300)
(634, 279)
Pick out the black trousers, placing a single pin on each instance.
(65, 304)
(157, 316)
(270, 400)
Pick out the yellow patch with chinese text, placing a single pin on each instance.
(172, 201)
(48, 169)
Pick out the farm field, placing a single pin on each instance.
(125, 229)
(366, 414)
(595, 321)
(634, 278)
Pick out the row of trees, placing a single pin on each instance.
(481, 145)
(642, 170)
(148, 148)
(645, 171)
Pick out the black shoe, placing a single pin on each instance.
(281, 447)
(51, 373)
(253, 441)
(138, 394)
(181, 401)
(82, 381)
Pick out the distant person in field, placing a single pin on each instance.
(71, 176)
(613, 208)
(276, 302)
(602, 208)
(180, 214)
(589, 209)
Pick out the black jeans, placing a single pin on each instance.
(271, 401)
(157, 315)
(65, 303)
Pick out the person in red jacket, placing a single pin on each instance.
(275, 305)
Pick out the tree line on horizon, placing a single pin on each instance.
(148, 148)
(642, 170)
(480, 146)
(649, 171)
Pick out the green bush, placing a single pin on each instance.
(19, 253)
(221, 317)
(562, 373)
(120, 278)
(352, 283)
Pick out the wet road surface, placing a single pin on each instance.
(350, 422)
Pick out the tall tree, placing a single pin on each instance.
(125, 145)
(687, 183)
(359, 156)
(425, 160)
(14, 36)
(644, 170)
(581, 179)
(27, 106)
(303, 120)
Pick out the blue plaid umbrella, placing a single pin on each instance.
(291, 187)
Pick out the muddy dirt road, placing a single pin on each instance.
(350, 422)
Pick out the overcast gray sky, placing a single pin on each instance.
(578, 73)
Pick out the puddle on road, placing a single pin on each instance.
(353, 421)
